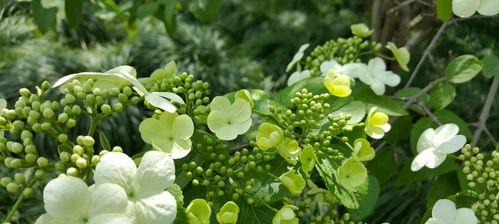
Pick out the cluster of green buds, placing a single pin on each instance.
(482, 175)
(342, 50)
(195, 93)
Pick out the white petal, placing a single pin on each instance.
(351, 69)
(376, 65)
(465, 216)
(325, 66)
(107, 198)
(160, 102)
(181, 148)
(66, 198)
(421, 159)
(364, 74)
(298, 76)
(156, 172)
(444, 209)
(432, 221)
(64, 80)
(390, 78)
(47, 219)
(240, 110)
(157, 209)
(444, 133)
(116, 168)
(378, 87)
(171, 96)
(425, 141)
(435, 160)
(453, 145)
(465, 8)
(488, 7)
(110, 219)
(219, 103)
(226, 133)
(183, 127)
(386, 127)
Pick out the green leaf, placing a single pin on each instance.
(417, 129)
(256, 215)
(44, 18)
(442, 95)
(384, 103)
(104, 142)
(328, 170)
(490, 66)
(463, 69)
(313, 85)
(383, 166)
(74, 12)
(401, 130)
(367, 201)
(356, 109)
(444, 9)
(445, 186)
(407, 176)
(446, 116)
(147, 9)
(205, 10)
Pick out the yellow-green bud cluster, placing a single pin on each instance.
(341, 50)
(322, 208)
(482, 173)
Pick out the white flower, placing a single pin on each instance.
(466, 8)
(145, 185)
(375, 75)
(228, 120)
(434, 145)
(68, 200)
(297, 57)
(339, 70)
(298, 76)
(444, 212)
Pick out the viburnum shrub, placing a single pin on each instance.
(302, 155)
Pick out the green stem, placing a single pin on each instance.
(93, 125)
(270, 207)
(8, 219)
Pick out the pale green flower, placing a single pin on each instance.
(402, 55)
(269, 136)
(145, 185)
(361, 30)
(198, 212)
(308, 158)
(228, 214)
(434, 145)
(337, 85)
(286, 215)
(362, 150)
(289, 150)
(352, 174)
(293, 182)
(170, 133)
(68, 200)
(466, 8)
(297, 57)
(444, 212)
(375, 75)
(228, 120)
(376, 124)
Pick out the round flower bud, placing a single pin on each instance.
(77, 149)
(42, 162)
(117, 149)
(81, 163)
(72, 172)
(30, 158)
(88, 141)
(40, 174)
(19, 178)
(4, 181)
(27, 192)
(106, 109)
(12, 187)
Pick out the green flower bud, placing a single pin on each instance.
(88, 141)
(72, 172)
(42, 162)
(228, 214)
(81, 163)
(4, 181)
(19, 178)
(13, 187)
(27, 192)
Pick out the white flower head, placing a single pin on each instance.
(228, 120)
(68, 200)
(466, 8)
(298, 76)
(145, 186)
(339, 70)
(444, 212)
(434, 144)
(375, 75)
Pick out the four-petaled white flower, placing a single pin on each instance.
(145, 186)
(434, 145)
(466, 8)
(376, 76)
(68, 200)
(228, 120)
(444, 212)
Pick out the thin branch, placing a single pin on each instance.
(429, 113)
(426, 53)
(489, 134)
(400, 5)
(376, 19)
(484, 115)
